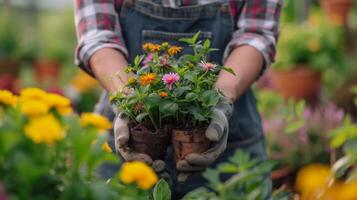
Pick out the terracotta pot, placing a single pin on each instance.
(9, 71)
(47, 70)
(337, 10)
(298, 83)
(154, 144)
(185, 142)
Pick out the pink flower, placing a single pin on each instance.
(148, 59)
(170, 78)
(207, 66)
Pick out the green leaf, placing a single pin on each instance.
(153, 99)
(207, 44)
(299, 108)
(191, 96)
(141, 116)
(191, 77)
(168, 108)
(192, 40)
(179, 91)
(294, 126)
(162, 190)
(229, 70)
(209, 98)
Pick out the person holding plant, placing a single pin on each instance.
(111, 34)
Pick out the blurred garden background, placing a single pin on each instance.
(307, 99)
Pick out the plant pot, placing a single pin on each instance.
(9, 71)
(47, 70)
(154, 144)
(185, 142)
(298, 83)
(337, 10)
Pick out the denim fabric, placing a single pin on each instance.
(146, 22)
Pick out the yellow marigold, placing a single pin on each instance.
(7, 98)
(147, 78)
(44, 129)
(131, 80)
(150, 47)
(174, 50)
(55, 100)
(34, 107)
(96, 120)
(163, 94)
(32, 93)
(107, 148)
(82, 82)
(65, 110)
(138, 172)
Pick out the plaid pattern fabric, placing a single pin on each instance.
(97, 26)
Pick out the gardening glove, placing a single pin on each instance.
(217, 133)
(121, 139)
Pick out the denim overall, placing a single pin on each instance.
(143, 21)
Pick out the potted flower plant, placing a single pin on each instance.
(305, 51)
(170, 91)
(337, 10)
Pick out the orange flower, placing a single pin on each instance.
(147, 78)
(150, 47)
(174, 50)
(163, 94)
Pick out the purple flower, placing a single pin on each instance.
(170, 78)
(148, 59)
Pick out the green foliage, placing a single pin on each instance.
(9, 44)
(249, 180)
(162, 191)
(187, 101)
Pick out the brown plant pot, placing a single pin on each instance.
(298, 83)
(154, 144)
(337, 10)
(185, 142)
(9, 72)
(47, 70)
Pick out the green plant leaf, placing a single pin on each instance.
(179, 91)
(294, 126)
(209, 98)
(162, 190)
(191, 96)
(206, 44)
(153, 99)
(229, 70)
(299, 108)
(168, 108)
(141, 116)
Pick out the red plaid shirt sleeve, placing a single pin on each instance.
(97, 27)
(257, 26)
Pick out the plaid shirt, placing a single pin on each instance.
(98, 26)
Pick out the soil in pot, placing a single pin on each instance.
(185, 142)
(298, 83)
(152, 143)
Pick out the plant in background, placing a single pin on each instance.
(47, 152)
(288, 126)
(247, 183)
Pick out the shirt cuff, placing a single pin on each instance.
(85, 52)
(265, 46)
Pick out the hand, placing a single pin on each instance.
(121, 139)
(217, 133)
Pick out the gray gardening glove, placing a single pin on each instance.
(121, 139)
(217, 133)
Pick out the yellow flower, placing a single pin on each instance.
(55, 100)
(96, 120)
(313, 178)
(32, 93)
(163, 94)
(66, 110)
(314, 45)
(34, 107)
(174, 50)
(45, 129)
(131, 80)
(147, 78)
(82, 82)
(150, 47)
(138, 172)
(107, 148)
(7, 98)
